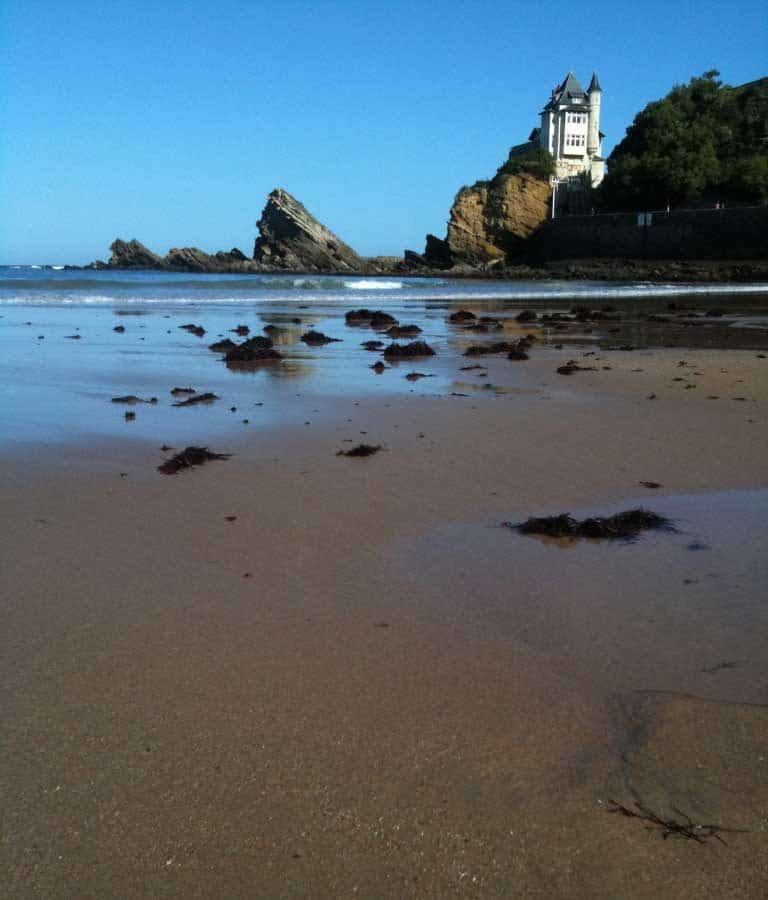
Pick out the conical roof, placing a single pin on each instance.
(570, 88)
(594, 85)
(568, 92)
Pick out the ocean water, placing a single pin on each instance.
(55, 286)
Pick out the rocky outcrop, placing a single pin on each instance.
(491, 220)
(133, 255)
(291, 238)
(437, 252)
(188, 259)
(192, 259)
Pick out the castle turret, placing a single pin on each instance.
(594, 94)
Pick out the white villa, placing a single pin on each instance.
(570, 130)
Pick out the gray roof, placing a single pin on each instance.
(594, 85)
(567, 92)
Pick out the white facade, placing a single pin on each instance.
(570, 130)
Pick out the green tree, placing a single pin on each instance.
(702, 140)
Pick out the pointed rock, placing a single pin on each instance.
(292, 239)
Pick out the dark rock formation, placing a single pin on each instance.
(437, 253)
(291, 238)
(234, 256)
(192, 259)
(187, 259)
(133, 255)
(414, 260)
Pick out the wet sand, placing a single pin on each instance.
(362, 685)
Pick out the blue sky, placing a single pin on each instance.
(171, 121)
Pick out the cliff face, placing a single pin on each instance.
(291, 238)
(490, 220)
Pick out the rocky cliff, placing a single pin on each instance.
(291, 238)
(491, 220)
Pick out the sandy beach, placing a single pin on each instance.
(296, 674)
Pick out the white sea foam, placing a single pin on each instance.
(367, 285)
(98, 292)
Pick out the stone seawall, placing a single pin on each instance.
(737, 233)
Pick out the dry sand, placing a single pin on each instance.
(361, 686)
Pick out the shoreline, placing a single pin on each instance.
(596, 269)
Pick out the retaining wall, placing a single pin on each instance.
(738, 233)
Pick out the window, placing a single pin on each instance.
(577, 118)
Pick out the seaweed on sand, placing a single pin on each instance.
(133, 399)
(403, 331)
(207, 397)
(624, 525)
(488, 349)
(415, 348)
(462, 315)
(375, 318)
(318, 338)
(687, 829)
(360, 450)
(251, 353)
(520, 350)
(189, 457)
(572, 366)
(222, 346)
(193, 329)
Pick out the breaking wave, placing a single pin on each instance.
(374, 285)
(28, 285)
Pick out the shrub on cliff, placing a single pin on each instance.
(537, 162)
(704, 140)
